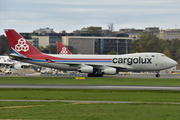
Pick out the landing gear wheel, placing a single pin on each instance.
(89, 75)
(94, 75)
(99, 75)
(157, 75)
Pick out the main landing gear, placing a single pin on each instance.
(94, 75)
(157, 75)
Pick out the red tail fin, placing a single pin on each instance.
(62, 49)
(20, 45)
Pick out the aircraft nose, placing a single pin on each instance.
(173, 62)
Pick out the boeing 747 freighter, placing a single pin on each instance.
(94, 65)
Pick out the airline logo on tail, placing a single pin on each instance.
(64, 51)
(22, 46)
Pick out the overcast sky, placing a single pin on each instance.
(69, 15)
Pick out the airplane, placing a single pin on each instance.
(5, 60)
(94, 65)
(62, 49)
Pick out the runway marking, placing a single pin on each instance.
(81, 103)
(85, 102)
(20, 106)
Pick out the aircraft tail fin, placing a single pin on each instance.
(62, 49)
(20, 45)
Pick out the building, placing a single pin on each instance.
(152, 30)
(97, 31)
(43, 37)
(43, 31)
(43, 40)
(97, 45)
(132, 32)
(169, 34)
(86, 30)
(99, 42)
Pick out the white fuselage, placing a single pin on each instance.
(126, 62)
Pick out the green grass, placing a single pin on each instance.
(92, 81)
(81, 111)
(92, 95)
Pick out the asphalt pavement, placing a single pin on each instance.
(110, 87)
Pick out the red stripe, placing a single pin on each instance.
(43, 57)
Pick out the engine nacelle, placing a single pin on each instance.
(110, 71)
(86, 69)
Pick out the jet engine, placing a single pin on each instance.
(110, 71)
(86, 69)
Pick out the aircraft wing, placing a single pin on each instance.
(95, 65)
(7, 63)
(98, 66)
(17, 57)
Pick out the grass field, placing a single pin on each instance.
(155, 110)
(92, 95)
(82, 111)
(92, 81)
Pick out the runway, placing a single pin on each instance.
(109, 87)
(132, 75)
(143, 75)
(88, 102)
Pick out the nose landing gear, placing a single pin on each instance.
(157, 75)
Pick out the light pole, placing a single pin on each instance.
(117, 46)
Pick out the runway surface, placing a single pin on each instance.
(87, 102)
(143, 75)
(132, 75)
(110, 87)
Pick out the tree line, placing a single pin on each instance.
(150, 43)
(5, 48)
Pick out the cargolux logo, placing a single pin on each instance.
(131, 61)
(64, 51)
(22, 46)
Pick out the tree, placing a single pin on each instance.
(48, 49)
(112, 53)
(5, 47)
(146, 43)
(177, 54)
(167, 52)
(64, 32)
(71, 49)
(175, 44)
(93, 30)
(111, 27)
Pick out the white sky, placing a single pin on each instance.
(69, 15)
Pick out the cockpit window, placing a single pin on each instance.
(163, 55)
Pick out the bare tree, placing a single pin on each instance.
(111, 27)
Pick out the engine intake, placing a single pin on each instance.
(110, 71)
(86, 69)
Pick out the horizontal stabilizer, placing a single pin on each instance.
(16, 57)
(49, 61)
